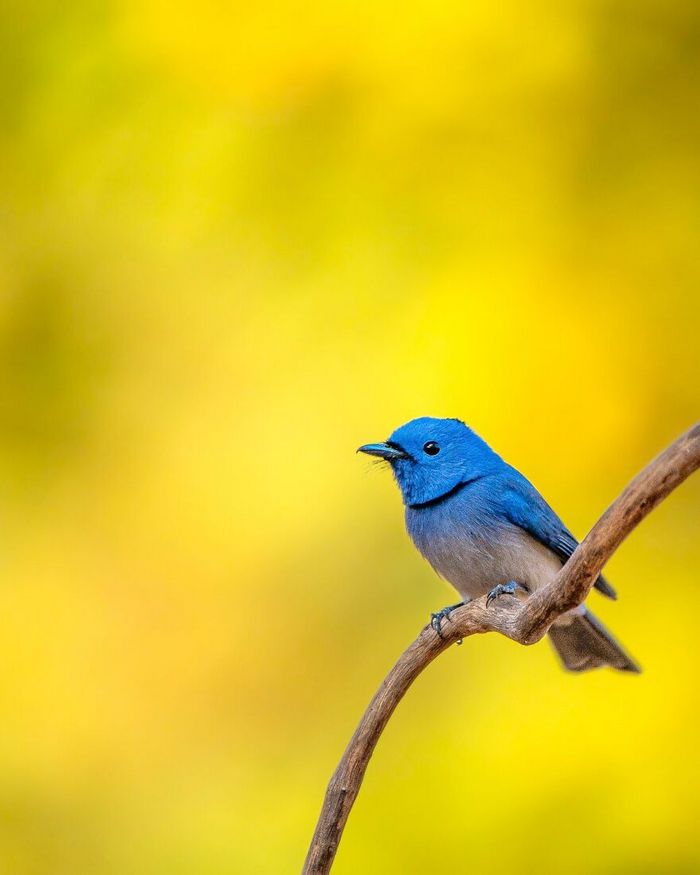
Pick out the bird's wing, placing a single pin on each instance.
(523, 506)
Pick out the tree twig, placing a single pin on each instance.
(525, 622)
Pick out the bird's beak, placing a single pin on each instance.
(384, 451)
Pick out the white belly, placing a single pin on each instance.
(475, 566)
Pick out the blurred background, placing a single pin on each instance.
(236, 242)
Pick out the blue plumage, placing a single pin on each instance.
(482, 525)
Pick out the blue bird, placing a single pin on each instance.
(486, 529)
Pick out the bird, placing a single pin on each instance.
(485, 529)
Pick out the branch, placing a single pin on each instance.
(525, 622)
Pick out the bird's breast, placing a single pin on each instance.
(475, 555)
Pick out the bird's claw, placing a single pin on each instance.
(509, 588)
(437, 618)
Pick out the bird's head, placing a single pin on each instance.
(432, 457)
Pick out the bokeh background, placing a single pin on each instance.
(236, 242)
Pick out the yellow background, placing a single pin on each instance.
(238, 240)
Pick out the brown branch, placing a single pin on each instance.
(525, 622)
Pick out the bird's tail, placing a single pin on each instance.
(582, 642)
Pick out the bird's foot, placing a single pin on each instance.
(509, 588)
(437, 618)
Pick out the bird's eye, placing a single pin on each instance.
(431, 448)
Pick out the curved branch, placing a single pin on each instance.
(525, 622)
